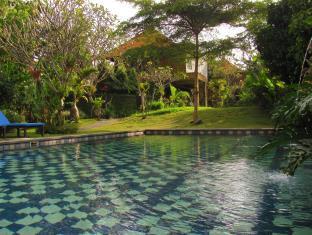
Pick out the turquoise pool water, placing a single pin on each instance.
(155, 185)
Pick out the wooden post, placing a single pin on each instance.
(196, 119)
(42, 131)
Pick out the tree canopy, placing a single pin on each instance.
(283, 40)
(61, 45)
(185, 19)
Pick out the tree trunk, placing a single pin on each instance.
(196, 119)
(162, 94)
(60, 117)
(74, 111)
(305, 64)
(142, 102)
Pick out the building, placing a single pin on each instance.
(154, 46)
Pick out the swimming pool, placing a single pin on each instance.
(155, 185)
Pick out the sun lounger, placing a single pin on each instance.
(5, 124)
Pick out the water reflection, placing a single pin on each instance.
(157, 185)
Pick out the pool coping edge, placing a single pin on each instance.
(58, 140)
(70, 139)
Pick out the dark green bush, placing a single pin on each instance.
(122, 105)
(219, 92)
(156, 105)
(294, 111)
(259, 87)
(67, 128)
(109, 111)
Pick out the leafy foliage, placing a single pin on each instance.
(179, 98)
(60, 48)
(299, 153)
(12, 81)
(259, 87)
(156, 105)
(283, 40)
(294, 112)
(124, 78)
(293, 117)
(97, 107)
(219, 92)
(225, 82)
(13, 116)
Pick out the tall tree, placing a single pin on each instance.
(283, 40)
(12, 75)
(184, 19)
(59, 42)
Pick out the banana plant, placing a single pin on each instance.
(179, 98)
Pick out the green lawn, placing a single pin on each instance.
(232, 117)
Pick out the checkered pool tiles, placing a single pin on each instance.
(153, 185)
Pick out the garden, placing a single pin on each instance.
(69, 68)
(73, 68)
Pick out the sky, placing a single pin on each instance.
(125, 11)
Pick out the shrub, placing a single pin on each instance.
(83, 115)
(97, 108)
(67, 128)
(13, 116)
(219, 92)
(156, 105)
(294, 112)
(109, 110)
(259, 87)
(179, 98)
(121, 105)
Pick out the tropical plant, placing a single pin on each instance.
(293, 117)
(219, 92)
(156, 105)
(97, 107)
(179, 98)
(259, 87)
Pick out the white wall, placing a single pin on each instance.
(202, 67)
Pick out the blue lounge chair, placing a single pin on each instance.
(5, 124)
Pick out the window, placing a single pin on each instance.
(189, 65)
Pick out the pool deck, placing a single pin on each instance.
(27, 143)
